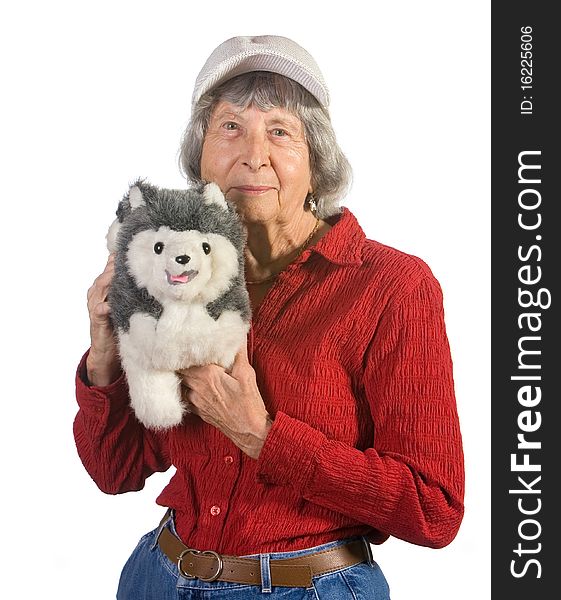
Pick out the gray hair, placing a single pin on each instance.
(331, 171)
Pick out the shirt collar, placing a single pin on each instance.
(342, 244)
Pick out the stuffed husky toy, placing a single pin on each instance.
(178, 296)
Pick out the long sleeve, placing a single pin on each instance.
(410, 483)
(117, 451)
(352, 361)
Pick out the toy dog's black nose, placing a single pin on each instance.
(183, 259)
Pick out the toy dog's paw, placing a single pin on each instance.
(160, 416)
(156, 398)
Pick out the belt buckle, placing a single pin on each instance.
(213, 577)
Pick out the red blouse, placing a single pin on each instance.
(352, 360)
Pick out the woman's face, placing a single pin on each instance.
(259, 159)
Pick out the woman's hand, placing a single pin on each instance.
(103, 365)
(230, 402)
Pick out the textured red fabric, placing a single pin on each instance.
(353, 363)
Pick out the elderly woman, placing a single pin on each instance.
(337, 425)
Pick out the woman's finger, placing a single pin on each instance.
(102, 309)
(97, 293)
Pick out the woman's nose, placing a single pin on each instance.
(256, 152)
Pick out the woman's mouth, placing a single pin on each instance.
(184, 277)
(253, 190)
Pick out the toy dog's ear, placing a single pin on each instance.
(212, 194)
(135, 197)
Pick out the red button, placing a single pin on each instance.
(229, 460)
(215, 510)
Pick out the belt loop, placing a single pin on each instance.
(368, 549)
(265, 574)
(163, 523)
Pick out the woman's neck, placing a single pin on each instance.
(271, 246)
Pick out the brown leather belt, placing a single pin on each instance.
(291, 572)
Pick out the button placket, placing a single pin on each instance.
(224, 470)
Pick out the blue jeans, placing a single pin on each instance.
(150, 575)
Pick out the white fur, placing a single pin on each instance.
(135, 197)
(153, 349)
(147, 384)
(212, 194)
(185, 334)
(111, 237)
(215, 270)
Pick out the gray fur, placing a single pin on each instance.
(235, 298)
(180, 210)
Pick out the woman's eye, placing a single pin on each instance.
(279, 132)
(230, 126)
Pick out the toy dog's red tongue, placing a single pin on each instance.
(184, 277)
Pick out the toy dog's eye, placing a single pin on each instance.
(158, 247)
(206, 248)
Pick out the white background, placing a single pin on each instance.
(96, 94)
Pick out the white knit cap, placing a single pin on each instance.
(272, 53)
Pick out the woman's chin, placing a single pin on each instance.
(256, 209)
